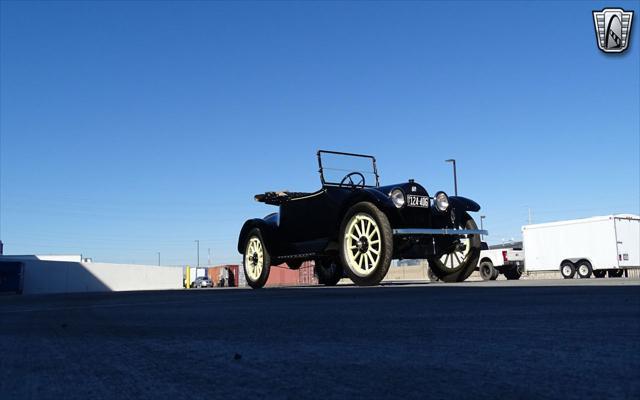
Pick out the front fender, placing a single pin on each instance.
(266, 229)
(377, 198)
(462, 203)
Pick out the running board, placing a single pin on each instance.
(304, 255)
(452, 232)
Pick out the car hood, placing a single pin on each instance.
(407, 187)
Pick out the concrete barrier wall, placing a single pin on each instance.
(72, 277)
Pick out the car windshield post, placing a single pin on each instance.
(322, 168)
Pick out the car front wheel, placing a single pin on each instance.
(256, 260)
(366, 244)
(456, 262)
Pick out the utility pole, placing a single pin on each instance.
(198, 257)
(482, 217)
(209, 257)
(455, 176)
(158, 259)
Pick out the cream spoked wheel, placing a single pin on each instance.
(362, 244)
(254, 258)
(366, 244)
(454, 259)
(257, 261)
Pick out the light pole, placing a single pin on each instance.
(482, 217)
(209, 257)
(158, 259)
(198, 256)
(455, 176)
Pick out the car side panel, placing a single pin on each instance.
(309, 219)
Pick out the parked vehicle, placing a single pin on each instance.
(202, 282)
(591, 246)
(353, 226)
(506, 259)
(194, 273)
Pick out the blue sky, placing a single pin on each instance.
(130, 128)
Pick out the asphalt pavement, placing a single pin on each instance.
(542, 339)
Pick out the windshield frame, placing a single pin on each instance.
(340, 153)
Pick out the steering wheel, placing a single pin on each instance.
(353, 179)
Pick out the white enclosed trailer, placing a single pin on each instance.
(586, 246)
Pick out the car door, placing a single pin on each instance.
(302, 219)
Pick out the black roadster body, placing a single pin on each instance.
(355, 228)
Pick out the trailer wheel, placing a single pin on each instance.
(488, 271)
(567, 269)
(600, 273)
(584, 269)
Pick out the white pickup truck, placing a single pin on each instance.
(506, 259)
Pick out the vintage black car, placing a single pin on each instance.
(354, 227)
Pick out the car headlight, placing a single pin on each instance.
(397, 197)
(442, 201)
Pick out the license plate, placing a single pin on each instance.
(417, 201)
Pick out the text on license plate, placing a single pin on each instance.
(417, 201)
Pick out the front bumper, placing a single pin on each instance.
(445, 231)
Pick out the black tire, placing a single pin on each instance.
(373, 275)
(567, 269)
(294, 264)
(487, 271)
(513, 274)
(495, 275)
(600, 273)
(615, 273)
(466, 268)
(584, 269)
(253, 261)
(431, 275)
(328, 271)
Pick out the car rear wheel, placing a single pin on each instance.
(584, 269)
(459, 260)
(567, 269)
(256, 260)
(366, 244)
(294, 264)
(487, 271)
(329, 272)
